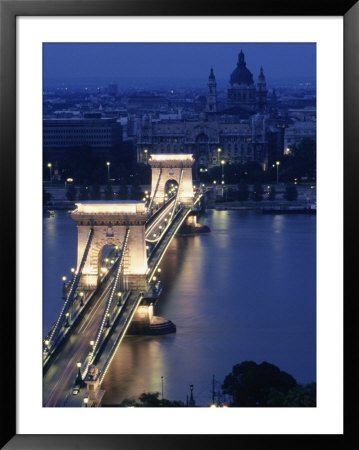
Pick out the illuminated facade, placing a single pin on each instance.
(172, 167)
(240, 131)
(110, 221)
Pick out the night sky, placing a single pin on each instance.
(281, 62)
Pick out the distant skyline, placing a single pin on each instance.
(178, 61)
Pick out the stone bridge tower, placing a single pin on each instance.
(177, 167)
(110, 220)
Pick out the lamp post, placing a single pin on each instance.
(223, 163)
(64, 291)
(49, 165)
(79, 376)
(219, 154)
(146, 153)
(108, 171)
(277, 164)
(162, 386)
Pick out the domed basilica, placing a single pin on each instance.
(243, 131)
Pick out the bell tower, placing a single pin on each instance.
(261, 91)
(211, 104)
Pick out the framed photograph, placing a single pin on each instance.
(177, 176)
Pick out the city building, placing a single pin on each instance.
(236, 134)
(251, 126)
(101, 134)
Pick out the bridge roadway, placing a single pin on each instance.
(60, 375)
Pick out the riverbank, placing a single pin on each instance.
(267, 207)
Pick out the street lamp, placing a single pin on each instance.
(49, 165)
(162, 386)
(146, 152)
(64, 292)
(79, 376)
(219, 154)
(277, 164)
(223, 163)
(108, 171)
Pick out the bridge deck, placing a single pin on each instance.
(60, 376)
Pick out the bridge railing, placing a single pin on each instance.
(126, 316)
(106, 314)
(155, 191)
(71, 295)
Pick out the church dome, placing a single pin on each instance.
(241, 75)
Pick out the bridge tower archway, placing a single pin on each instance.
(175, 167)
(110, 222)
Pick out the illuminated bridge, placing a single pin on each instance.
(107, 295)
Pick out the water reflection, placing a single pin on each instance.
(245, 291)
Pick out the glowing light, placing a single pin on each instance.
(171, 157)
(110, 208)
(47, 343)
(64, 278)
(72, 269)
(108, 163)
(78, 365)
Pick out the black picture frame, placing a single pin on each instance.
(9, 10)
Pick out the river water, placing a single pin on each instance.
(244, 291)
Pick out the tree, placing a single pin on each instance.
(108, 192)
(257, 192)
(95, 192)
(136, 191)
(71, 193)
(46, 197)
(123, 191)
(151, 399)
(84, 193)
(305, 158)
(291, 192)
(250, 384)
(297, 396)
(272, 193)
(243, 192)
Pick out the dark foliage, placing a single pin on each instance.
(257, 192)
(291, 193)
(151, 399)
(250, 384)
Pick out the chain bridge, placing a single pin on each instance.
(110, 294)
